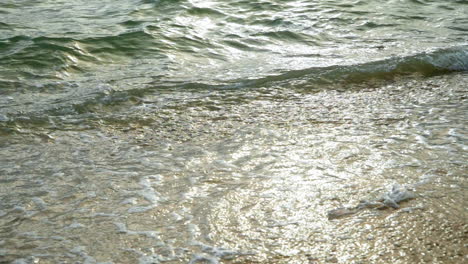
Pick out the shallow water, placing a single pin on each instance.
(225, 131)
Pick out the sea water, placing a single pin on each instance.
(217, 131)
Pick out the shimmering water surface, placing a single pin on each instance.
(145, 131)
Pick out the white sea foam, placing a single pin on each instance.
(122, 228)
(18, 209)
(75, 225)
(151, 258)
(131, 200)
(140, 209)
(4, 118)
(91, 194)
(213, 254)
(81, 251)
(203, 258)
(176, 217)
(104, 215)
(21, 261)
(41, 205)
(412, 208)
(147, 192)
(396, 195)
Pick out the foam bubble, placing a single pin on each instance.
(21, 261)
(396, 195)
(75, 225)
(122, 228)
(131, 200)
(140, 209)
(81, 251)
(151, 258)
(211, 253)
(41, 205)
(4, 118)
(203, 259)
(147, 192)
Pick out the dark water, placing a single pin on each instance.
(223, 131)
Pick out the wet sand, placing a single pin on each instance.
(249, 180)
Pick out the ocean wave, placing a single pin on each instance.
(42, 57)
(56, 52)
(424, 64)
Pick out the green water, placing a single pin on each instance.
(224, 131)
